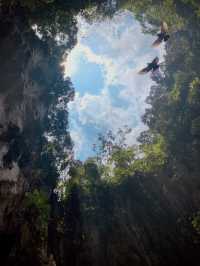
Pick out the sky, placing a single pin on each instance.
(103, 68)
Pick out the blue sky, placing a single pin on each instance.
(103, 67)
(88, 78)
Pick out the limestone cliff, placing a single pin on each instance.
(144, 221)
(27, 82)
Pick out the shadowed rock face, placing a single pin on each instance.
(24, 80)
(21, 111)
(136, 223)
(143, 222)
(31, 83)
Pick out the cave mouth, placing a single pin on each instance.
(103, 66)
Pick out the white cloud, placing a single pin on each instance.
(76, 134)
(121, 51)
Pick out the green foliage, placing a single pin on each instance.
(195, 127)
(194, 92)
(151, 13)
(56, 19)
(123, 162)
(119, 166)
(175, 94)
(37, 202)
(111, 141)
(154, 156)
(120, 173)
(194, 4)
(196, 222)
(173, 117)
(174, 112)
(33, 4)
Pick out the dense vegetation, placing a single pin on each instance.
(171, 144)
(127, 205)
(170, 148)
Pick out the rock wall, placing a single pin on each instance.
(25, 89)
(136, 223)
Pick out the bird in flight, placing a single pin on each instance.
(153, 66)
(163, 35)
